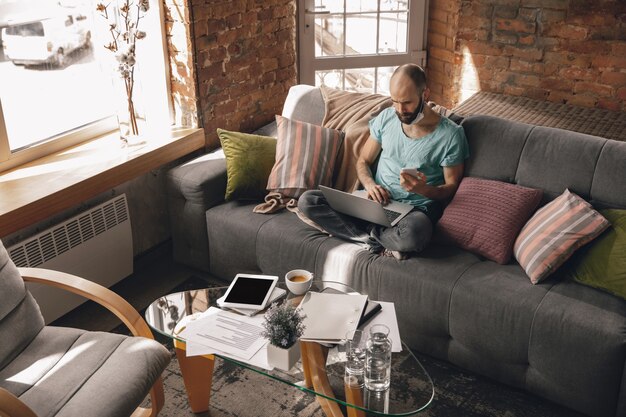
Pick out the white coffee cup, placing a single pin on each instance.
(298, 281)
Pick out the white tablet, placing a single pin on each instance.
(249, 291)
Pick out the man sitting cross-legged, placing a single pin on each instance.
(407, 135)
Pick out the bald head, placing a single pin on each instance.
(408, 92)
(413, 72)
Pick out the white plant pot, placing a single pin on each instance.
(283, 359)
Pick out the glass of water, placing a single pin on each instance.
(378, 359)
(355, 359)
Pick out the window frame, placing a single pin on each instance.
(156, 88)
(417, 27)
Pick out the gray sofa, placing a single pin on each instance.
(559, 339)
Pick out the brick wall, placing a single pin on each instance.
(181, 63)
(246, 61)
(566, 51)
(443, 61)
(232, 62)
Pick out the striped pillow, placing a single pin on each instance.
(305, 157)
(552, 235)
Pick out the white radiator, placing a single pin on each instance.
(96, 245)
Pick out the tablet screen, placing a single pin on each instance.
(249, 291)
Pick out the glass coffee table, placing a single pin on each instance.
(320, 371)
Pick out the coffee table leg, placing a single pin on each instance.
(314, 359)
(308, 382)
(198, 377)
(354, 395)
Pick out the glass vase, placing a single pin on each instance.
(130, 113)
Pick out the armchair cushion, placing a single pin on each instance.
(20, 318)
(70, 372)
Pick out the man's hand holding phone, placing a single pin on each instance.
(411, 171)
(412, 180)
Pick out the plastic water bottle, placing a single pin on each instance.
(378, 359)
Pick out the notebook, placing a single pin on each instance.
(370, 310)
(330, 316)
(358, 205)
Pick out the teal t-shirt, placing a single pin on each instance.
(445, 146)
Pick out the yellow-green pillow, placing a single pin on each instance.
(603, 263)
(249, 161)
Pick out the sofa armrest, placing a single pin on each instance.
(192, 189)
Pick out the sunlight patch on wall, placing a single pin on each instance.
(470, 83)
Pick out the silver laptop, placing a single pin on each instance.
(358, 205)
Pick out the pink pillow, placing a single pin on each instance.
(485, 217)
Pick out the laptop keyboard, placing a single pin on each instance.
(391, 215)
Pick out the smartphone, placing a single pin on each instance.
(410, 171)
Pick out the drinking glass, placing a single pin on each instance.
(378, 359)
(355, 359)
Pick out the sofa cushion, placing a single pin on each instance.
(555, 159)
(608, 188)
(558, 339)
(485, 217)
(421, 298)
(492, 308)
(495, 147)
(553, 234)
(305, 157)
(232, 230)
(285, 242)
(602, 263)
(528, 155)
(576, 351)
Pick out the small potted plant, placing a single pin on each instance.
(283, 326)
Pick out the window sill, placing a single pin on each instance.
(44, 187)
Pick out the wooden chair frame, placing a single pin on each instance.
(11, 406)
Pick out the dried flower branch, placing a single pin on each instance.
(124, 36)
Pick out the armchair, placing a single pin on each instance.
(65, 372)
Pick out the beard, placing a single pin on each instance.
(409, 118)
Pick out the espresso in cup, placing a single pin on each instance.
(298, 278)
(298, 281)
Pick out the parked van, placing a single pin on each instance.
(45, 40)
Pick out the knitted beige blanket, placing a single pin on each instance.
(350, 112)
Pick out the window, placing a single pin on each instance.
(355, 44)
(58, 82)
